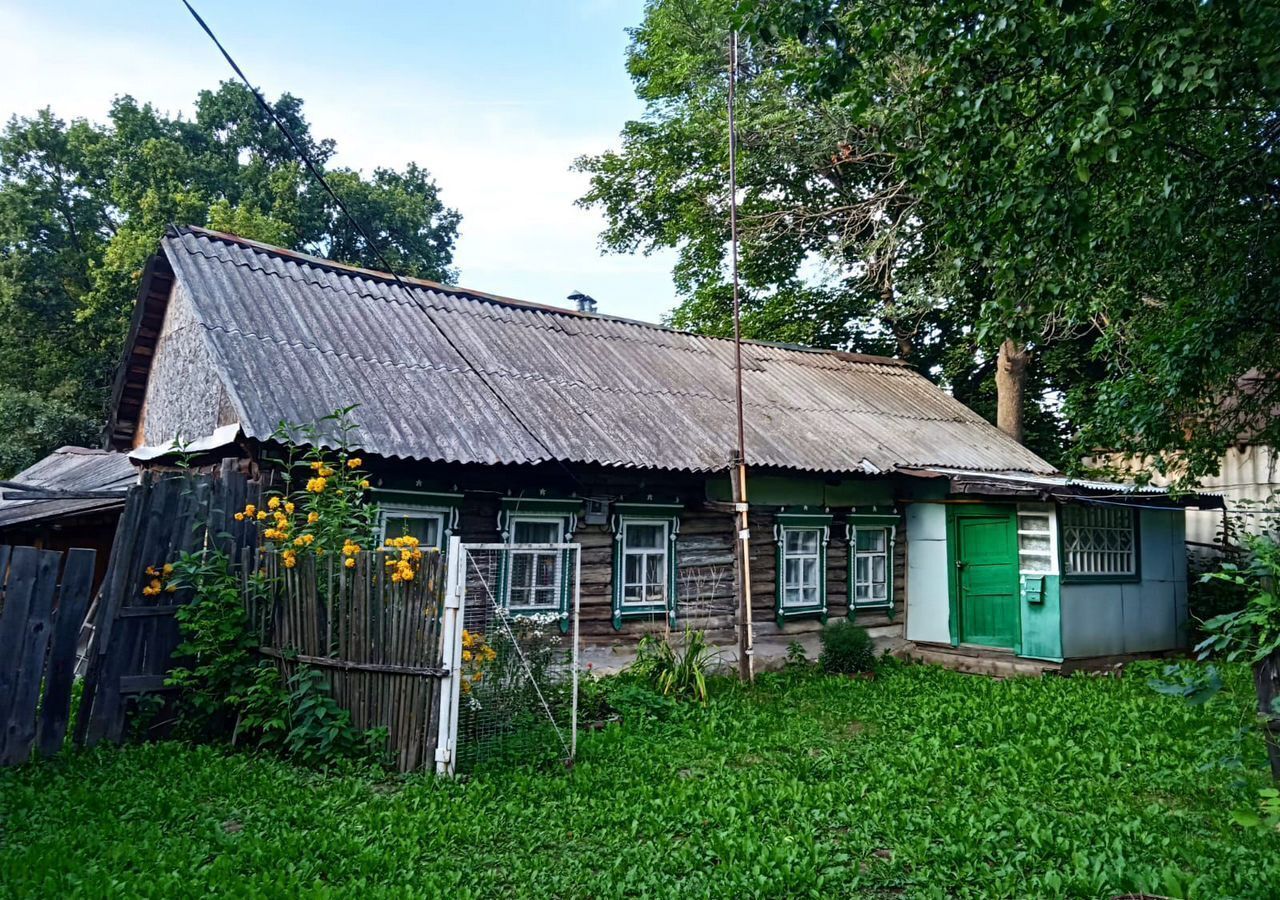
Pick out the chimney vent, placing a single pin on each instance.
(583, 303)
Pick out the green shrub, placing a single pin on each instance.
(678, 672)
(847, 649)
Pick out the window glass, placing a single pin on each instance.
(426, 525)
(1099, 541)
(534, 576)
(871, 566)
(644, 563)
(1035, 542)
(801, 566)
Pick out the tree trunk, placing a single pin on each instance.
(1266, 681)
(1011, 381)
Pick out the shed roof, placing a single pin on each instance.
(71, 469)
(448, 374)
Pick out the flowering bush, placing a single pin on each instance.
(476, 654)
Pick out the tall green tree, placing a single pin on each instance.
(83, 205)
(837, 249)
(1109, 169)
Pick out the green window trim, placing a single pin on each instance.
(539, 509)
(668, 516)
(800, 520)
(1068, 577)
(879, 521)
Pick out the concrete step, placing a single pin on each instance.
(977, 661)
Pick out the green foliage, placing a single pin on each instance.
(1103, 170)
(1251, 633)
(228, 692)
(676, 669)
(223, 667)
(924, 783)
(847, 649)
(321, 731)
(82, 206)
(32, 424)
(797, 658)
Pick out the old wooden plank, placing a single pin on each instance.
(20, 726)
(328, 662)
(73, 603)
(144, 684)
(13, 622)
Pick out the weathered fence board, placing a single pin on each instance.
(165, 515)
(73, 604)
(36, 619)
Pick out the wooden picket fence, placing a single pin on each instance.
(44, 595)
(377, 641)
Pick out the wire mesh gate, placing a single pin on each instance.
(511, 646)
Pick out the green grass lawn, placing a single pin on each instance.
(922, 783)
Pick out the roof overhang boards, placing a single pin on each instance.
(130, 387)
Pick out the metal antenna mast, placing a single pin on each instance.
(746, 635)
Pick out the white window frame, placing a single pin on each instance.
(1047, 510)
(818, 561)
(563, 524)
(1132, 573)
(869, 555)
(442, 515)
(663, 551)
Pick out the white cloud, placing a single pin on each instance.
(502, 161)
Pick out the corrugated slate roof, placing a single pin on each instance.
(70, 469)
(449, 374)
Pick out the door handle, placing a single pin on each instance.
(959, 564)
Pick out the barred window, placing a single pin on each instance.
(1099, 541)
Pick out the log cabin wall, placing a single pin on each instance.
(705, 587)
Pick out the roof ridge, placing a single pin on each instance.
(512, 302)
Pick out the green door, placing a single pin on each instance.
(986, 560)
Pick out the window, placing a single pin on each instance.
(801, 575)
(1036, 552)
(644, 563)
(871, 566)
(1099, 542)
(426, 524)
(535, 576)
(644, 560)
(801, 567)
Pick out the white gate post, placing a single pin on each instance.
(451, 635)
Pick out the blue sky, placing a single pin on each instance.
(496, 99)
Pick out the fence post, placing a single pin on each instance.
(451, 636)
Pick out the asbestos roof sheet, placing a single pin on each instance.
(69, 469)
(448, 374)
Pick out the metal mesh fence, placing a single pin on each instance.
(516, 691)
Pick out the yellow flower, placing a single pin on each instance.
(364, 483)
(151, 570)
(289, 507)
(239, 517)
(324, 471)
(250, 509)
(478, 676)
(168, 568)
(350, 563)
(355, 462)
(274, 503)
(313, 518)
(466, 656)
(262, 515)
(315, 466)
(290, 562)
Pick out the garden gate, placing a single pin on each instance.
(511, 645)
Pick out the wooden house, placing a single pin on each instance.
(875, 495)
